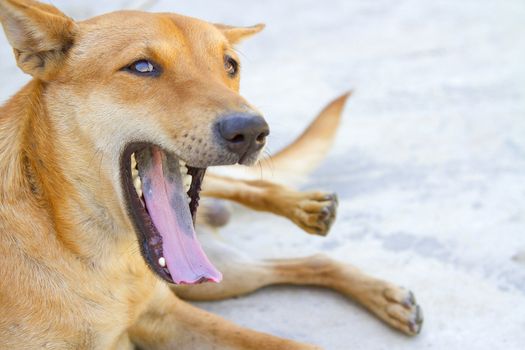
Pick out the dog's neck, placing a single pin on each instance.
(47, 160)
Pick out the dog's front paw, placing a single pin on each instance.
(315, 212)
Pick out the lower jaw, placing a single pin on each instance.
(150, 240)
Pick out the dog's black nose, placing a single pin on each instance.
(244, 133)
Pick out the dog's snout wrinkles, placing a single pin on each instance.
(244, 133)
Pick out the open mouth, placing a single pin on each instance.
(162, 203)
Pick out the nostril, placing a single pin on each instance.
(262, 137)
(237, 139)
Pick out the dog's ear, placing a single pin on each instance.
(40, 35)
(237, 34)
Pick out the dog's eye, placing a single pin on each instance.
(143, 67)
(231, 66)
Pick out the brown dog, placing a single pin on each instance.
(94, 218)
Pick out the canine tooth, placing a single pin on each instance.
(133, 161)
(187, 183)
(162, 262)
(138, 185)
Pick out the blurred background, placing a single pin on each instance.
(429, 162)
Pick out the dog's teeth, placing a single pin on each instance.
(137, 184)
(183, 169)
(187, 182)
(162, 262)
(133, 161)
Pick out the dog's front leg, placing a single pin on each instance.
(314, 211)
(170, 323)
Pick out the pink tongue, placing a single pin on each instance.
(168, 207)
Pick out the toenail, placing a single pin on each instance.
(419, 315)
(410, 300)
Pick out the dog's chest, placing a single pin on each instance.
(114, 306)
(75, 308)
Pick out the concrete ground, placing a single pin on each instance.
(429, 163)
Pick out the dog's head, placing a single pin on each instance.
(156, 90)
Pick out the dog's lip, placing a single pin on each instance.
(150, 238)
(150, 241)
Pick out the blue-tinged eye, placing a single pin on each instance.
(144, 67)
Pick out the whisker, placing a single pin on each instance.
(239, 52)
(265, 162)
(260, 170)
(269, 160)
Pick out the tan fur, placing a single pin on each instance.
(71, 273)
(314, 212)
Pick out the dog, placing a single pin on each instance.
(103, 157)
